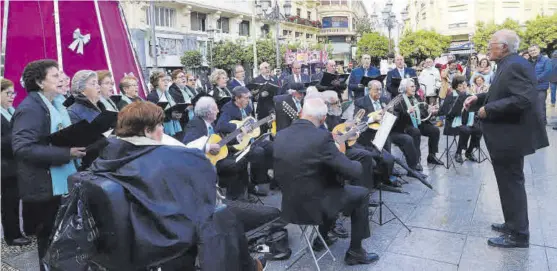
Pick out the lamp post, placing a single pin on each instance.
(389, 19)
(266, 11)
(211, 37)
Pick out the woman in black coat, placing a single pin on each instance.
(42, 169)
(10, 197)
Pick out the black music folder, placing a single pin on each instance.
(116, 98)
(198, 96)
(395, 82)
(366, 79)
(84, 133)
(223, 101)
(312, 83)
(328, 78)
(180, 107)
(270, 88)
(254, 87)
(162, 105)
(69, 101)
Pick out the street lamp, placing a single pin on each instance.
(266, 11)
(389, 19)
(211, 37)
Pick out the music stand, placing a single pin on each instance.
(380, 207)
(485, 156)
(448, 157)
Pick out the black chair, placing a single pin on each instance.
(450, 136)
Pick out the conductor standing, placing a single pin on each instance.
(512, 129)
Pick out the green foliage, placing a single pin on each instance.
(543, 32)
(484, 31)
(227, 54)
(266, 52)
(423, 44)
(323, 46)
(363, 25)
(373, 44)
(191, 59)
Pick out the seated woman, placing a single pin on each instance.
(461, 123)
(174, 206)
(87, 105)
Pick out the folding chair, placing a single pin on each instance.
(308, 234)
(448, 157)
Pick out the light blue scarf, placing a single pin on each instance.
(187, 99)
(108, 105)
(417, 119)
(126, 99)
(7, 113)
(457, 121)
(171, 127)
(59, 119)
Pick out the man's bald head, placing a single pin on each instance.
(331, 64)
(503, 42)
(314, 110)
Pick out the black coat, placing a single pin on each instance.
(83, 109)
(8, 162)
(265, 104)
(195, 129)
(403, 117)
(307, 172)
(123, 103)
(283, 119)
(32, 151)
(452, 107)
(512, 126)
(230, 112)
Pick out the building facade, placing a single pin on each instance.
(302, 26)
(457, 18)
(185, 25)
(338, 26)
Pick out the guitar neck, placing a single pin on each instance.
(238, 131)
(360, 128)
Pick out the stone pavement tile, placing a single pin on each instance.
(403, 210)
(488, 207)
(25, 261)
(479, 256)
(454, 189)
(415, 189)
(453, 216)
(429, 244)
(551, 258)
(393, 261)
(548, 221)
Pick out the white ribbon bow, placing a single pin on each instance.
(79, 40)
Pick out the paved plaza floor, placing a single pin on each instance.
(449, 225)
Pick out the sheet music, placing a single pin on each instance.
(198, 143)
(170, 141)
(386, 125)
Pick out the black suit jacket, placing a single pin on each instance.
(290, 79)
(452, 107)
(391, 88)
(307, 172)
(512, 126)
(283, 120)
(8, 162)
(195, 129)
(265, 104)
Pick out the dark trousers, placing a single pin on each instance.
(510, 180)
(10, 209)
(251, 215)
(433, 134)
(365, 157)
(233, 176)
(384, 163)
(354, 201)
(465, 133)
(261, 158)
(45, 218)
(407, 144)
(542, 96)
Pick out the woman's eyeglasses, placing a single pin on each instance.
(10, 94)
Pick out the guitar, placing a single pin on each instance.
(347, 136)
(290, 112)
(249, 123)
(373, 115)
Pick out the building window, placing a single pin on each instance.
(299, 12)
(197, 21)
(244, 28)
(265, 31)
(285, 33)
(458, 25)
(309, 36)
(325, 2)
(309, 15)
(297, 34)
(164, 17)
(170, 46)
(223, 24)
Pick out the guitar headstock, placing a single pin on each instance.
(291, 112)
(359, 115)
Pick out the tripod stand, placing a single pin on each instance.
(481, 153)
(446, 152)
(380, 207)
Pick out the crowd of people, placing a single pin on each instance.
(158, 149)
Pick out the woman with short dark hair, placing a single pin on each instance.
(42, 169)
(106, 84)
(87, 105)
(10, 195)
(129, 87)
(174, 206)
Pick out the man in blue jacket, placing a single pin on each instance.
(355, 89)
(542, 65)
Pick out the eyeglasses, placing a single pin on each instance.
(192, 80)
(489, 47)
(10, 94)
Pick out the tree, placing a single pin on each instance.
(266, 52)
(543, 32)
(373, 44)
(363, 25)
(191, 59)
(423, 44)
(323, 46)
(227, 54)
(484, 31)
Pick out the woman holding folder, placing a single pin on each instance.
(160, 95)
(43, 169)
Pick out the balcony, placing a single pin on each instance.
(336, 32)
(301, 21)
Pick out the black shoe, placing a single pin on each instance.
(373, 203)
(339, 230)
(22, 241)
(359, 256)
(458, 158)
(470, 157)
(431, 159)
(318, 245)
(502, 228)
(509, 241)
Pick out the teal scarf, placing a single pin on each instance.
(187, 99)
(126, 99)
(457, 121)
(109, 105)
(416, 116)
(59, 119)
(171, 127)
(7, 113)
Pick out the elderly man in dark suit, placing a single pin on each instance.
(239, 77)
(307, 171)
(264, 99)
(296, 77)
(285, 115)
(512, 129)
(399, 72)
